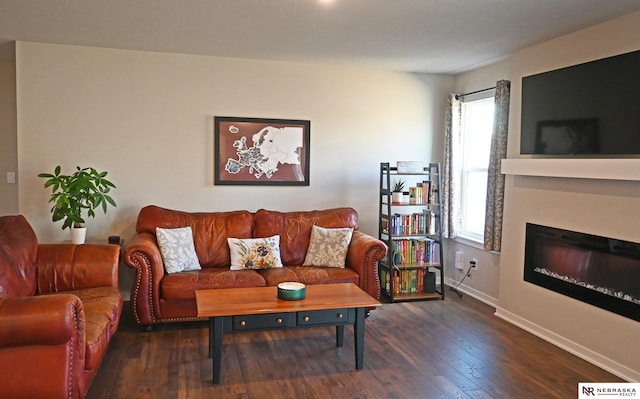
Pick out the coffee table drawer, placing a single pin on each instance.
(259, 321)
(329, 317)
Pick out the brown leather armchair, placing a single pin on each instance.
(59, 308)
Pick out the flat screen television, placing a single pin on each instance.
(585, 110)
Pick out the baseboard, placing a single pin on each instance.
(465, 289)
(582, 352)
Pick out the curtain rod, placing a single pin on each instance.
(474, 92)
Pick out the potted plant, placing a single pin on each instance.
(396, 191)
(84, 190)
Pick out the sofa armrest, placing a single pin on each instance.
(40, 320)
(364, 253)
(42, 336)
(64, 267)
(143, 255)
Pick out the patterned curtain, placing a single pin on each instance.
(495, 181)
(452, 169)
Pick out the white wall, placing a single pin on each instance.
(8, 139)
(147, 118)
(602, 207)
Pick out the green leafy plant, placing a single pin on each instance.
(85, 189)
(398, 186)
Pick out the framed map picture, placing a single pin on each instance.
(255, 151)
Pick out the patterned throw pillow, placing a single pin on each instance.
(255, 253)
(177, 249)
(328, 247)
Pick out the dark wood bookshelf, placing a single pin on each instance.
(414, 229)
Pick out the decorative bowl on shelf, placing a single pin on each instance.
(291, 291)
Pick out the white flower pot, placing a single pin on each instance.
(396, 198)
(78, 235)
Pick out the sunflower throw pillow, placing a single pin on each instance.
(255, 253)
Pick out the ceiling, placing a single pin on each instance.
(433, 36)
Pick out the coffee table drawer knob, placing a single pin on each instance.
(306, 318)
(243, 323)
(279, 320)
(340, 316)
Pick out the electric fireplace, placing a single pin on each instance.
(601, 271)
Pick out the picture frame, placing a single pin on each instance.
(409, 167)
(261, 151)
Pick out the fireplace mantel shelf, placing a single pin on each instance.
(607, 169)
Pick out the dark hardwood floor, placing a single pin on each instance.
(454, 348)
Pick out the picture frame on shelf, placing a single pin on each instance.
(409, 167)
(261, 151)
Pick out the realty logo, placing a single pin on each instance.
(610, 389)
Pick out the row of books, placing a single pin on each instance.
(415, 251)
(408, 281)
(422, 193)
(410, 224)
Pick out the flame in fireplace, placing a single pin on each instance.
(604, 290)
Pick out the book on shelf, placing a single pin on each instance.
(416, 223)
(384, 222)
(424, 191)
(416, 251)
(385, 281)
(410, 281)
(421, 193)
(413, 195)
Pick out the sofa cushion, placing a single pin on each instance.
(210, 230)
(102, 307)
(18, 251)
(184, 285)
(294, 228)
(328, 247)
(177, 249)
(309, 275)
(254, 253)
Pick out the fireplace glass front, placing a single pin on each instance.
(601, 271)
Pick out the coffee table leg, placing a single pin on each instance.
(215, 345)
(211, 337)
(358, 333)
(339, 335)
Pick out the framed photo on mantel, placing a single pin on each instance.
(261, 152)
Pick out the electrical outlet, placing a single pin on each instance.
(458, 263)
(474, 263)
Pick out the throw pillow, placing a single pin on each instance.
(255, 253)
(177, 249)
(328, 247)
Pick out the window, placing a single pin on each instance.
(477, 126)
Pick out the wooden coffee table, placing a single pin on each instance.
(242, 309)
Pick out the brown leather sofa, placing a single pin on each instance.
(59, 307)
(158, 297)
